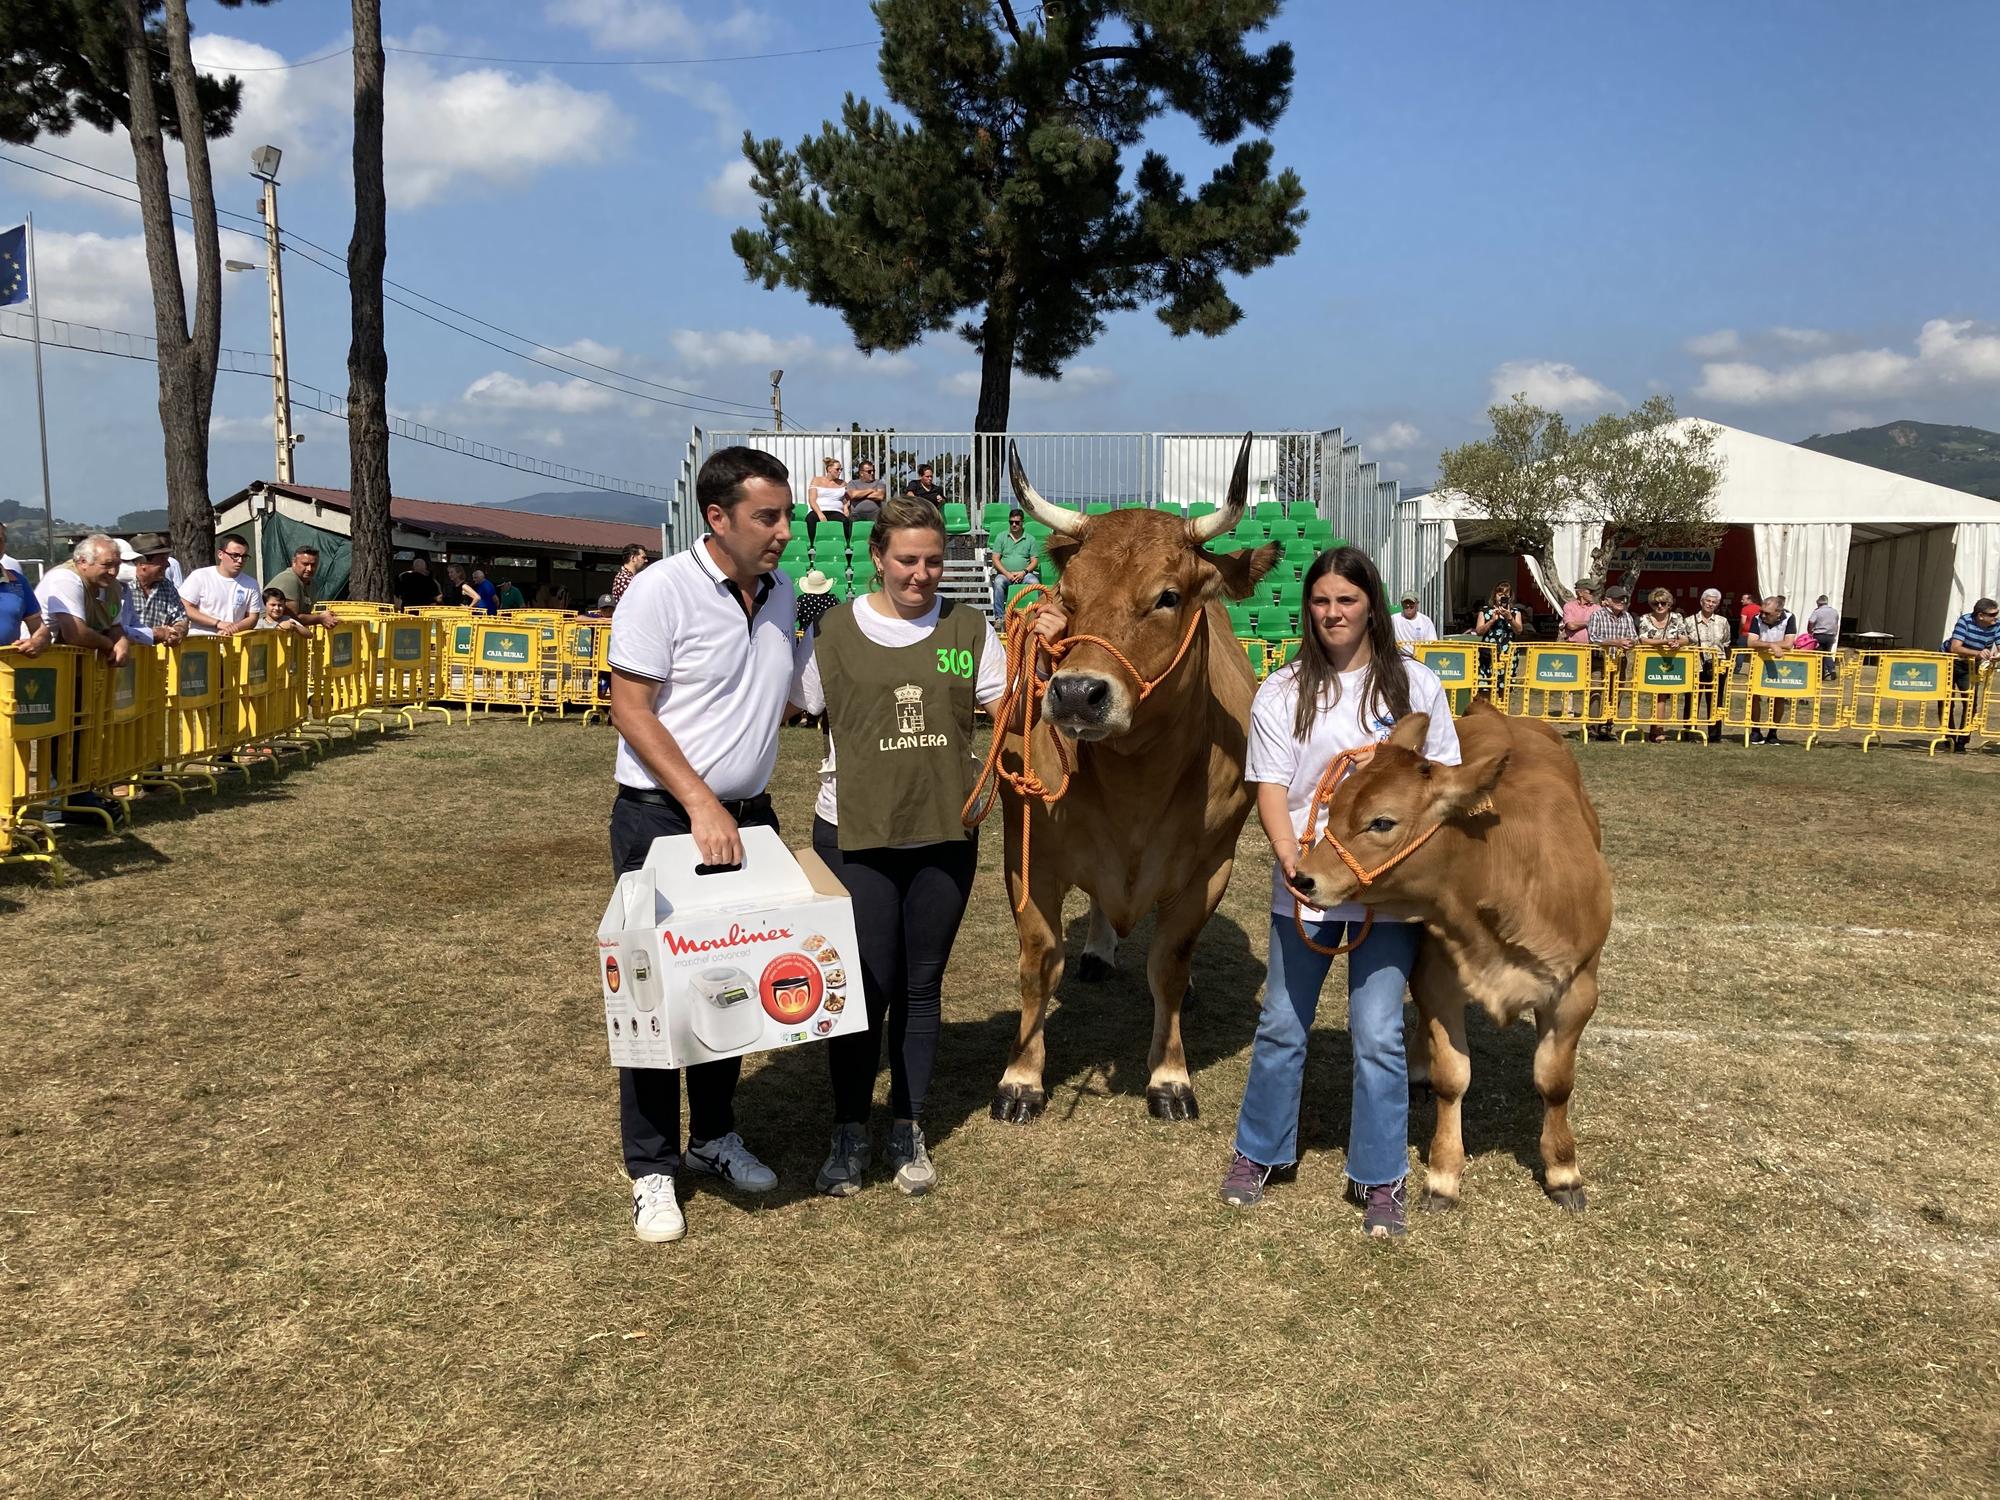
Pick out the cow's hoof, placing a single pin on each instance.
(1172, 1101)
(1569, 1198)
(1093, 970)
(1436, 1203)
(1018, 1105)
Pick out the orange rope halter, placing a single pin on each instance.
(1337, 770)
(1027, 656)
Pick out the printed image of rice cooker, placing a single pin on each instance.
(726, 1016)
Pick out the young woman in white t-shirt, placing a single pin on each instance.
(826, 498)
(1346, 690)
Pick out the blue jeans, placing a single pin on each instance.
(1000, 588)
(1267, 1129)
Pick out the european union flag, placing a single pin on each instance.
(13, 265)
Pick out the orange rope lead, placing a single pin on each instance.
(1337, 770)
(1028, 655)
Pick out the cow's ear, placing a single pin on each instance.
(1241, 570)
(1059, 548)
(1410, 733)
(1466, 791)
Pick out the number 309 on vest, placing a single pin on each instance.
(957, 663)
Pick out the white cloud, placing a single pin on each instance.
(1397, 437)
(511, 393)
(240, 429)
(657, 26)
(1717, 345)
(728, 192)
(704, 349)
(1949, 354)
(1077, 380)
(1800, 338)
(102, 279)
(1550, 383)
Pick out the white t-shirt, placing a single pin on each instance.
(225, 599)
(1276, 757)
(831, 499)
(885, 630)
(1411, 629)
(722, 676)
(62, 593)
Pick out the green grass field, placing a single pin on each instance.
(311, 1183)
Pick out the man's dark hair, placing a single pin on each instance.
(306, 550)
(635, 550)
(721, 479)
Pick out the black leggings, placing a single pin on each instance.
(907, 907)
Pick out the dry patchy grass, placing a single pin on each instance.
(311, 1183)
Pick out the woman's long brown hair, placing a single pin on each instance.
(1386, 687)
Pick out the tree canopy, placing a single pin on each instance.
(1643, 478)
(62, 63)
(1000, 207)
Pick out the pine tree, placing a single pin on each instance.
(1001, 208)
(368, 521)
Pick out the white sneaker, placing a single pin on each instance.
(656, 1212)
(728, 1158)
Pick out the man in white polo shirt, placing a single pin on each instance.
(223, 600)
(701, 662)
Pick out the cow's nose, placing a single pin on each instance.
(1303, 882)
(1079, 694)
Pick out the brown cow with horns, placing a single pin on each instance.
(1156, 796)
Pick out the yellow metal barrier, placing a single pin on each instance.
(195, 737)
(1982, 720)
(257, 695)
(406, 668)
(506, 669)
(1765, 694)
(586, 667)
(1460, 665)
(126, 707)
(1556, 682)
(342, 677)
(1656, 689)
(38, 699)
(1909, 692)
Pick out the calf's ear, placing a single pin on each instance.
(1466, 791)
(1410, 733)
(1241, 570)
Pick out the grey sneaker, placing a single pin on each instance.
(1383, 1215)
(1243, 1183)
(914, 1172)
(728, 1158)
(846, 1162)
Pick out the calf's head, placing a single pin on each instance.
(1141, 580)
(1384, 807)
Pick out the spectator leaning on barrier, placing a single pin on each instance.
(1975, 639)
(1410, 624)
(294, 586)
(1662, 626)
(1772, 632)
(21, 623)
(415, 588)
(1710, 633)
(278, 614)
(1610, 625)
(85, 603)
(701, 666)
(635, 560)
(223, 599)
(155, 600)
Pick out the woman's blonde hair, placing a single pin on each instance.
(831, 461)
(1660, 596)
(903, 513)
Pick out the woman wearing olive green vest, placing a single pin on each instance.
(898, 672)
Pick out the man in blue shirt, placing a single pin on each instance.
(489, 596)
(1975, 639)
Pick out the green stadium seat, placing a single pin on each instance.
(1268, 511)
(957, 519)
(1035, 529)
(1099, 508)
(1283, 530)
(1249, 533)
(1293, 597)
(1302, 510)
(1241, 618)
(858, 541)
(1300, 551)
(1201, 508)
(801, 513)
(1274, 623)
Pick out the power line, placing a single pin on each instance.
(341, 259)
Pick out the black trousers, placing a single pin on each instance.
(908, 904)
(649, 1099)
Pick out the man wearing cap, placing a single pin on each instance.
(815, 599)
(701, 666)
(155, 600)
(1411, 625)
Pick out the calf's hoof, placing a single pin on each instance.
(1172, 1101)
(1018, 1104)
(1093, 970)
(1569, 1198)
(1437, 1203)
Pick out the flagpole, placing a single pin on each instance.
(41, 406)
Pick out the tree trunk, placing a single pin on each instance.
(369, 525)
(183, 408)
(996, 387)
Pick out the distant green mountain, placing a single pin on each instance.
(1960, 458)
(590, 505)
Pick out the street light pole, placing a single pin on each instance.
(777, 402)
(264, 167)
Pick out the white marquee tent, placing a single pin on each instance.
(1895, 554)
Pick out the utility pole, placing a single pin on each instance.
(777, 402)
(264, 167)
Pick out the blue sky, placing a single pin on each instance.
(1780, 213)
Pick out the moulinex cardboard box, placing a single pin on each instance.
(696, 967)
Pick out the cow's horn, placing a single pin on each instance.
(1217, 522)
(1055, 517)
